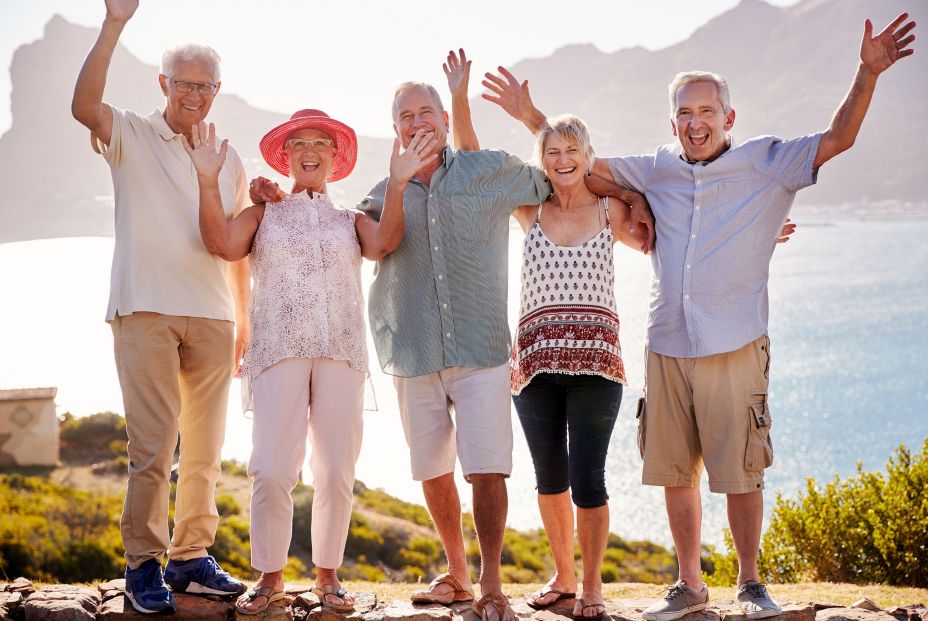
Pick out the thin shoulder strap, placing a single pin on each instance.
(606, 208)
(538, 213)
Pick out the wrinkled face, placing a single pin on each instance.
(310, 162)
(184, 110)
(564, 161)
(700, 123)
(416, 109)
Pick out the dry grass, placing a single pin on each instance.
(843, 594)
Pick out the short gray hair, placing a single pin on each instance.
(187, 52)
(688, 77)
(405, 86)
(570, 129)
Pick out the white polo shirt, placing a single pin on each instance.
(160, 264)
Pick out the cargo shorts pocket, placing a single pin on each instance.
(642, 416)
(758, 453)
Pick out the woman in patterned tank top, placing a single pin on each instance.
(566, 366)
(305, 364)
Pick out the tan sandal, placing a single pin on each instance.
(267, 593)
(457, 594)
(499, 601)
(339, 592)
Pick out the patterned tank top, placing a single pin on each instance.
(307, 300)
(567, 320)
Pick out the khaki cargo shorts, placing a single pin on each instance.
(711, 410)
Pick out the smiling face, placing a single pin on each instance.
(415, 108)
(184, 110)
(310, 165)
(564, 161)
(700, 122)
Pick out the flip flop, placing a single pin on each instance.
(269, 595)
(458, 594)
(532, 598)
(497, 600)
(584, 606)
(339, 592)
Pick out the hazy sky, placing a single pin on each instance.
(284, 55)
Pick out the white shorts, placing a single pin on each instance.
(481, 433)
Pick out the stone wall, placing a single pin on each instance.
(28, 427)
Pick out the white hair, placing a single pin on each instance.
(405, 86)
(187, 52)
(688, 77)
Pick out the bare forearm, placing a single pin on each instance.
(465, 137)
(845, 125)
(215, 229)
(392, 219)
(240, 286)
(534, 120)
(91, 81)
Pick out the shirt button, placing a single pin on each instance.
(434, 220)
(435, 248)
(688, 266)
(444, 305)
(448, 334)
(440, 277)
(697, 207)
(692, 237)
(686, 296)
(698, 181)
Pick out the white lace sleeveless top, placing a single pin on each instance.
(306, 299)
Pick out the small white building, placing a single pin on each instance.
(28, 427)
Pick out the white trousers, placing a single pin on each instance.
(322, 398)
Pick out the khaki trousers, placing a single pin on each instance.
(174, 373)
(296, 398)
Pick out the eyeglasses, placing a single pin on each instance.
(316, 144)
(187, 87)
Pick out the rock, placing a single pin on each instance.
(298, 589)
(62, 602)
(403, 610)
(866, 604)
(791, 612)
(21, 585)
(189, 608)
(852, 614)
(912, 612)
(9, 602)
(277, 611)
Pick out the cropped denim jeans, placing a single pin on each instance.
(568, 422)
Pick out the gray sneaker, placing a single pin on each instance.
(679, 601)
(755, 602)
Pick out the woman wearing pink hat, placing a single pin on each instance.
(305, 365)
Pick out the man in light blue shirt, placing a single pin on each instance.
(717, 207)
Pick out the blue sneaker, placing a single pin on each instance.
(146, 590)
(202, 576)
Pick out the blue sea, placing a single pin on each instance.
(848, 326)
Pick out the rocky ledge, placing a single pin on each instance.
(21, 601)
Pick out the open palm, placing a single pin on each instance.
(881, 51)
(121, 10)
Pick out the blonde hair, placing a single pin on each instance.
(570, 129)
(688, 77)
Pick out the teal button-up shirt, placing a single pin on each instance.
(439, 300)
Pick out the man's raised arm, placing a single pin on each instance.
(87, 104)
(457, 70)
(877, 54)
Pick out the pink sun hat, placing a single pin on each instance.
(346, 142)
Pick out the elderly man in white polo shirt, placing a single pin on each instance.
(718, 207)
(172, 315)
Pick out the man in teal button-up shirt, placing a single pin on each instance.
(438, 317)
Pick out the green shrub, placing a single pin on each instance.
(869, 528)
(226, 505)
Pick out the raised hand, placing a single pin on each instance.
(509, 94)
(879, 52)
(404, 164)
(121, 10)
(206, 158)
(457, 70)
(262, 190)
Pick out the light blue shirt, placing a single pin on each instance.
(439, 299)
(717, 224)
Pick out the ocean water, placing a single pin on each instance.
(849, 333)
